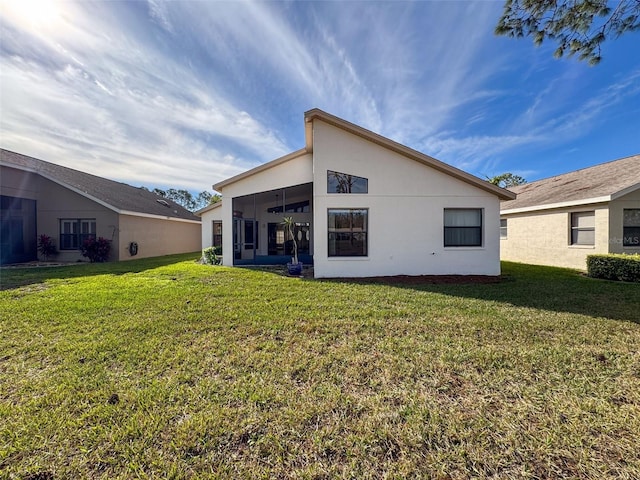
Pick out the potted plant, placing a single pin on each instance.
(295, 266)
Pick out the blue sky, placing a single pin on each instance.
(185, 94)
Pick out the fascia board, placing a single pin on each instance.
(625, 191)
(158, 217)
(65, 185)
(415, 155)
(551, 206)
(208, 208)
(97, 200)
(260, 168)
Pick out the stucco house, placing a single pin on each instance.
(560, 220)
(39, 197)
(364, 206)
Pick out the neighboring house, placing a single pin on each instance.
(364, 206)
(560, 220)
(41, 198)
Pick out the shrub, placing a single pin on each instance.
(46, 247)
(210, 256)
(614, 267)
(96, 250)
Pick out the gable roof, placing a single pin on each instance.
(116, 196)
(597, 184)
(317, 114)
(419, 157)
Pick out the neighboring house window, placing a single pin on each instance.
(462, 227)
(348, 228)
(344, 183)
(74, 231)
(631, 227)
(503, 228)
(217, 236)
(583, 228)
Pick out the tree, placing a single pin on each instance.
(578, 26)
(186, 199)
(507, 180)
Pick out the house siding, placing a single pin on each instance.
(406, 202)
(57, 202)
(156, 237)
(208, 218)
(631, 200)
(544, 237)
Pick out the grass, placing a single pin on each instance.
(164, 368)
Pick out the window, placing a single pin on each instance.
(503, 228)
(347, 228)
(344, 183)
(462, 227)
(631, 227)
(73, 232)
(583, 228)
(217, 236)
(281, 243)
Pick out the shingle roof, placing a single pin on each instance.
(601, 182)
(117, 196)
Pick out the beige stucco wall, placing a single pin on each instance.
(631, 200)
(156, 237)
(544, 237)
(56, 202)
(406, 202)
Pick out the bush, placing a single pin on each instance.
(96, 250)
(614, 267)
(46, 247)
(210, 256)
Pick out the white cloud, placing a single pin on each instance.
(158, 12)
(119, 104)
(193, 92)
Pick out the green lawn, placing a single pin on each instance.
(165, 368)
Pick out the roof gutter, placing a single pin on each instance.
(551, 206)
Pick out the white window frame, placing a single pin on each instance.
(504, 230)
(576, 227)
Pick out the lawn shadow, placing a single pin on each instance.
(15, 277)
(545, 288)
